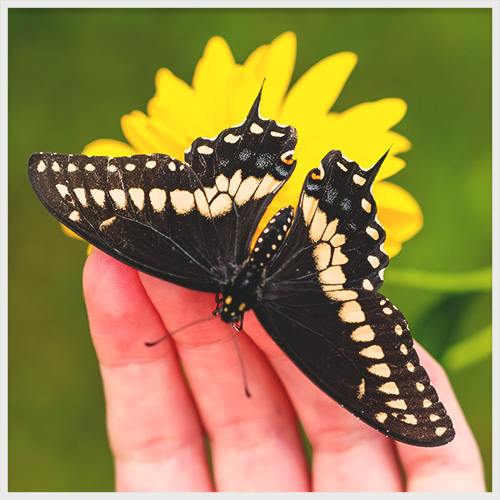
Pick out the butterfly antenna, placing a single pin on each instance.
(177, 330)
(240, 357)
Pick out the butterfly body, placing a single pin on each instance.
(245, 287)
(312, 276)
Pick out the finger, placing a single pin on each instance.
(154, 432)
(348, 455)
(255, 441)
(456, 466)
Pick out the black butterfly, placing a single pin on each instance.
(311, 279)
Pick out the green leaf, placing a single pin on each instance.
(469, 281)
(470, 350)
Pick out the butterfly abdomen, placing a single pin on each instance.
(241, 292)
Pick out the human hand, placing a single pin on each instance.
(156, 424)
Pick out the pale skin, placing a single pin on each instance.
(156, 424)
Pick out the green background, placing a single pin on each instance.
(73, 73)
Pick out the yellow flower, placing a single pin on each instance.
(223, 91)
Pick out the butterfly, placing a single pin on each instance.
(311, 277)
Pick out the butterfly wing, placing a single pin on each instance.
(320, 305)
(186, 222)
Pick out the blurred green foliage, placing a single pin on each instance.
(74, 72)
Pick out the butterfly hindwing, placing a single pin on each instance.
(320, 304)
(241, 170)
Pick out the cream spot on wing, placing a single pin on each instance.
(380, 369)
(130, 167)
(118, 196)
(99, 196)
(63, 190)
(373, 261)
(373, 351)
(358, 179)
(381, 417)
(397, 403)
(366, 205)
(440, 431)
(318, 225)
(322, 254)
(172, 166)
(332, 276)
(221, 205)
(363, 334)
(81, 195)
(309, 204)
(351, 312)
(246, 190)
(341, 295)
(387, 310)
(201, 203)
(403, 349)
(41, 166)
(381, 274)
(330, 230)
(410, 367)
(276, 134)
(433, 417)
(74, 216)
(420, 387)
(205, 150)
(338, 258)
(182, 201)
(234, 183)
(158, 198)
(107, 222)
(111, 168)
(389, 388)
(361, 389)
(188, 150)
(56, 167)
(210, 192)
(410, 419)
(372, 232)
(398, 329)
(255, 128)
(426, 403)
(89, 167)
(266, 186)
(231, 138)
(137, 195)
(338, 240)
(342, 167)
(222, 182)
(367, 285)
(150, 164)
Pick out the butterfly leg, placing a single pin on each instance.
(238, 326)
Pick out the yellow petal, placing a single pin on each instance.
(245, 88)
(382, 114)
(398, 212)
(108, 147)
(135, 129)
(278, 69)
(210, 80)
(256, 62)
(316, 91)
(177, 105)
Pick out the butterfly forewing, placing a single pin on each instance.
(139, 209)
(321, 306)
(187, 222)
